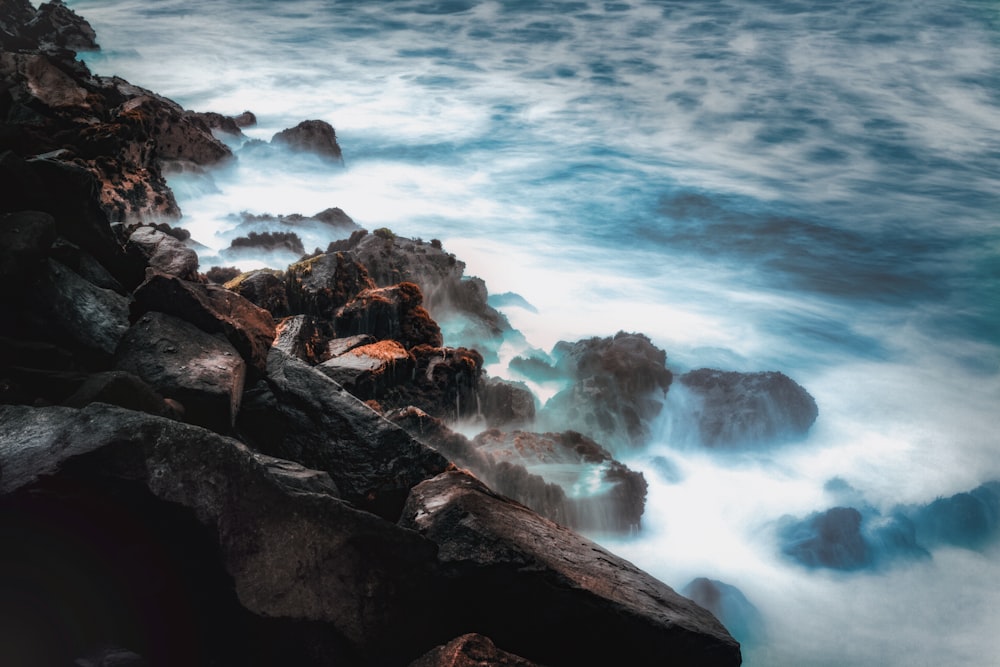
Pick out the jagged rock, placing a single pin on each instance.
(505, 404)
(55, 23)
(263, 287)
(25, 239)
(510, 479)
(84, 265)
(736, 409)
(178, 135)
(216, 121)
(618, 388)
(335, 217)
(443, 384)
(390, 313)
(212, 309)
(491, 548)
(268, 241)
(470, 650)
(245, 119)
(339, 346)
(311, 136)
(164, 253)
(728, 604)
(828, 539)
(323, 284)
(303, 337)
(368, 372)
(220, 275)
(300, 414)
(181, 362)
(574, 462)
(211, 553)
(119, 388)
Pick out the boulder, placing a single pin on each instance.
(505, 404)
(321, 285)
(830, 539)
(204, 373)
(490, 548)
(268, 242)
(84, 265)
(164, 253)
(617, 391)
(300, 414)
(728, 604)
(443, 384)
(311, 136)
(304, 337)
(339, 346)
(212, 309)
(390, 313)
(603, 495)
(25, 239)
(739, 409)
(55, 23)
(122, 389)
(470, 650)
(263, 287)
(369, 371)
(189, 548)
(969, 519)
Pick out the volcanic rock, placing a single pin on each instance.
(311, 136)
(736, 409)
(265, 288)
(505, 404)
(181, 362)
(303, 337)
(164, 253)
(390, 313)
(969, 519)
(56, 24)
(321, 285)
(368, 372)
(492, 548)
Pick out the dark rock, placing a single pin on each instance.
(970, 520)
(368, 372)
(220, 275)
(112, 657)
(335, 217)
(212, 309)
(25, 239)
(269, 241)
(339, 346)
(55, 23)
(217, 121)
(443, 384)
(245, 119)
(302, 415)
(618, 388)
(164, 253)
(574, 461)
(534, 368)
(178, 134)
(828, 539)
(265, 288)
(311, 136)
(84, 265)
(470, 650)
(580, 595)
(506, 404)
(323, 284)
(122, 389)
(728, 604)
(390, 313)
(305, 338)
(737, 409)
(221, 555)
(182, 362)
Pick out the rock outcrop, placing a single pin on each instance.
(311, 136)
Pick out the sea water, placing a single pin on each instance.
(808, 187)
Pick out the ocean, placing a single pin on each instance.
(805, 187)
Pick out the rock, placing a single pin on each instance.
(265, 288)
(164, 253)
(321, 285)
(390, 313)
(245, 119)
(122, 389)
(470, 650)
(25, 239)
(335, 217)
(220, 275)
(55, 23)
(491, 549)
(302, 415)
(311, 136)
(269, 241)
(740, 409)
(728, 604)
(181, 362)
(617, 391)
(443, 384)
(178, 135)
(368, 372)
(212, 309)
(829, 539)
(303, 337)
(339, 346)
(506, 404)
(84, 265)
(64, 308)
(211, 554)
(970, 520)
(604, 495)
(218, 122)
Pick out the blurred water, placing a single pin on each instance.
(758, 185)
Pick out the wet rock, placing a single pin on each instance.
(321, 285)
(828, 539)
(265, 288)
(618, 387)
(737, 409)
(218, 122)
(470, 650)
(580, 594)
(164, 253)
(370, 371)
(84, 265)
(443, 384)
(392, 313)
(303, 337)
(269, 242)
(505, 404)
(311, 136)
(339, 346)
(300, 414)
(335, 217)
(181, 362)
(55, 23)
(119, 388)
(728, 604)
(25, 239)
(212, 309)
(970, 519)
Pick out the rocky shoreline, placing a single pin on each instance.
(262, 468)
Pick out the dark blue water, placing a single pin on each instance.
(811, 187)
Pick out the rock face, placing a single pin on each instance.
(312, 136)
(617, 388)
(164, 253)
(470, 650)
(738, 409)
(370, 371)
(390, 313)
(580, 594)
(970, 520)
(728, 604)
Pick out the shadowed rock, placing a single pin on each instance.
(370, 371)
(506, 404)
(323, 284)
(970, 520)
(580, 594)
(470, 650)
(164, 253)
(728, 604)
(311, 136)
(263, 287)
(390, 313)
(305, 337)
(119, 388)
